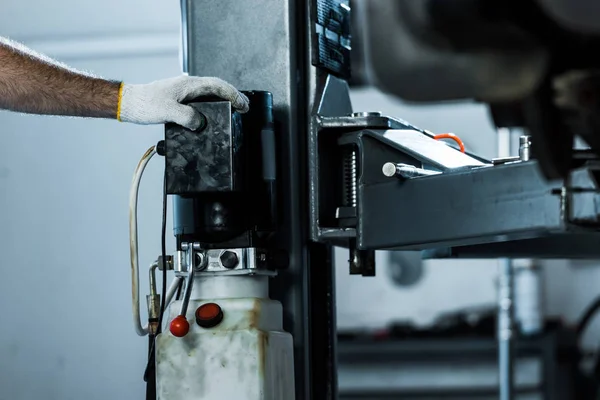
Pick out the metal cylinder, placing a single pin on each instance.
(153, 302)
(190, 280)
(407, 171)
(213, 218)
(361, 262)
(525, 148)
(506, 330)
(173, 289)
(228, 287)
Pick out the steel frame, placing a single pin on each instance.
(272, 45)
(483, 211)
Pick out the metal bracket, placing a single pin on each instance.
(240, 261)
(325, 172)
(337, 158)
(471, 204)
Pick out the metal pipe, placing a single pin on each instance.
(135, 294)
(184, 37)
(506, 330)
(152, 277)
(190, 279)
(153, 301)
(172, 290)
(171, 294)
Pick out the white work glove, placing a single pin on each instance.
(160, 102)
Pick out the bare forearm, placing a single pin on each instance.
(32, 83)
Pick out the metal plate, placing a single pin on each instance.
(429, 150)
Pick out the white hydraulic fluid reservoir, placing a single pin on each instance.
(235, 348)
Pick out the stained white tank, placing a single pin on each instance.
(247, 356)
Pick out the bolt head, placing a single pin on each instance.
(229, 259)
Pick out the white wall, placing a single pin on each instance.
(66, 19)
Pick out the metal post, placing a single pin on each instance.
(505, 320)
(266, 45)
(506, 329)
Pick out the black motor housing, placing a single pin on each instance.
(222, 177)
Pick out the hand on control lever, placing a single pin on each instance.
(160, 102)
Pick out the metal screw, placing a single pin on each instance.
(389, 169)
(229, 259)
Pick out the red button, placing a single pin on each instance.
(209, 315)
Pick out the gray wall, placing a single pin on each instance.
(64, 185)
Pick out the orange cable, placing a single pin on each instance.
(453, 137)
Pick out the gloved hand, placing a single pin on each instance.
(160, 102)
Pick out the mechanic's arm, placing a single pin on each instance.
(32, 83)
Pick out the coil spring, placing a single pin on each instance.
(350, 178)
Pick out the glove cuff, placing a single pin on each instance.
(138, 105)
(120, 102)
